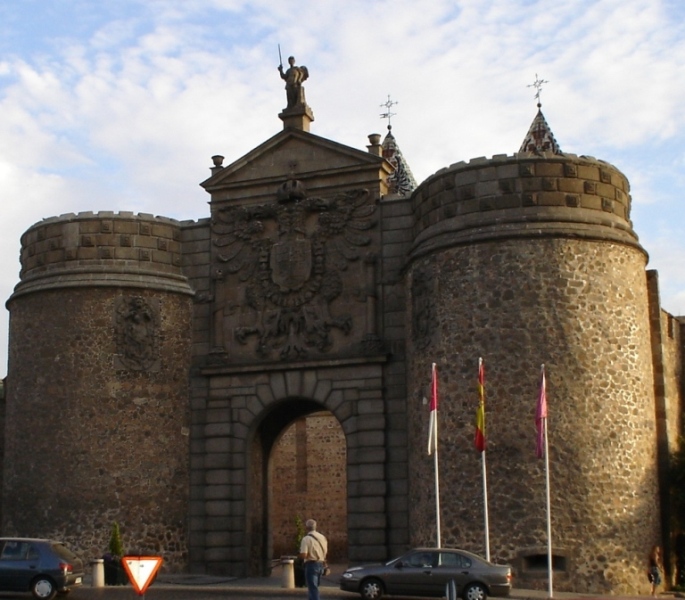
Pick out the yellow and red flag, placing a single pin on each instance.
(480, 413)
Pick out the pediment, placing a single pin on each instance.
(293, 153)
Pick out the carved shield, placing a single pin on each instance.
(291, 263)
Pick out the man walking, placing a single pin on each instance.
(313, 550)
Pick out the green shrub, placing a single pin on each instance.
(116, 547)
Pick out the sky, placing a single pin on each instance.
(119, 105)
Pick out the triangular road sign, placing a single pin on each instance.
(141, 570)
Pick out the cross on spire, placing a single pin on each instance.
(388, 115)
(537, 84)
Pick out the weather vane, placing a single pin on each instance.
(537, 84)
(388, 115)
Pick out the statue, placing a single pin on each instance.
(294, 77)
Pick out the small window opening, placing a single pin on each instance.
(538, 562)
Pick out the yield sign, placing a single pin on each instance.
(141, 570)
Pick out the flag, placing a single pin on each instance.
(433, 424)
(540, 416)
(480, 413)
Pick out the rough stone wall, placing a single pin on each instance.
(97, 409)
(576, 308)
(560, 286)
(113, 444)
(308, 480)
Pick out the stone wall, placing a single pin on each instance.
(97, 415)
(562, 285)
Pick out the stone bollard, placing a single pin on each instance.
(288, 573)
(98, 573)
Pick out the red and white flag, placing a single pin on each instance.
(540, 416)
(433, 423)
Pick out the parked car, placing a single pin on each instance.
(426, 572)
(42, 567)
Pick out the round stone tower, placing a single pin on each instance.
(527, 260)
(97, 401)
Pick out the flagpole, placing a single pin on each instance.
(437, 491)
(480, 446)
(542, 451)
(433, 446)
(550, 568)
(485, 505)
(436, 464)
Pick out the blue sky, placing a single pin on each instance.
(119, 105)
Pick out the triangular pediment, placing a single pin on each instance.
(294, 154)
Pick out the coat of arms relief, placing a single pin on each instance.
(280, 267)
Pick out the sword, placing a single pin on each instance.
(280, 58)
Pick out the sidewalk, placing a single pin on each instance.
(268, 586)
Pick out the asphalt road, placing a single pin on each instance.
(186, 592)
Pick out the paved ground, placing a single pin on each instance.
(200, 587)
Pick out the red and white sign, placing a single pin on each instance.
(141, 570)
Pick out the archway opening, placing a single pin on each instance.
(308, 479)
(299, 471)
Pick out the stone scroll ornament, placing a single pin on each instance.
(290, 256)
(136, 334)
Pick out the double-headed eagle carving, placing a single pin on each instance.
(290, 256)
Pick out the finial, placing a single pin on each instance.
(388, 115)
(537, 84)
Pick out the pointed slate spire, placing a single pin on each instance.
(540, 137)
(401, 181)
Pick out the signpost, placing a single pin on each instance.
(141, 570)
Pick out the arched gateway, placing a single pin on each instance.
(243, 425)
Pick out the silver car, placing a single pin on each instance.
(427, 572)
(42, 567)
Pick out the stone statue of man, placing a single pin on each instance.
(294, 76)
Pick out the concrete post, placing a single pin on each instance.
(288, 573)
(98, 573)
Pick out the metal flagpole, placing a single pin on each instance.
(433, 447)
(549, 516)
(480, 446)
(485, 506)
(437, 491)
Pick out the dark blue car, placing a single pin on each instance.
(42, 567)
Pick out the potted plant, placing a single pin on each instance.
(114, 571)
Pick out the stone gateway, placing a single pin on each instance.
(208, 384)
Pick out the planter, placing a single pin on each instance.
(299, 573)
(115, 573)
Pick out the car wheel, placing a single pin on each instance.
(371, 589)
(43, 588)
(475, 591)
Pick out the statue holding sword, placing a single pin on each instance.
(294, 76)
